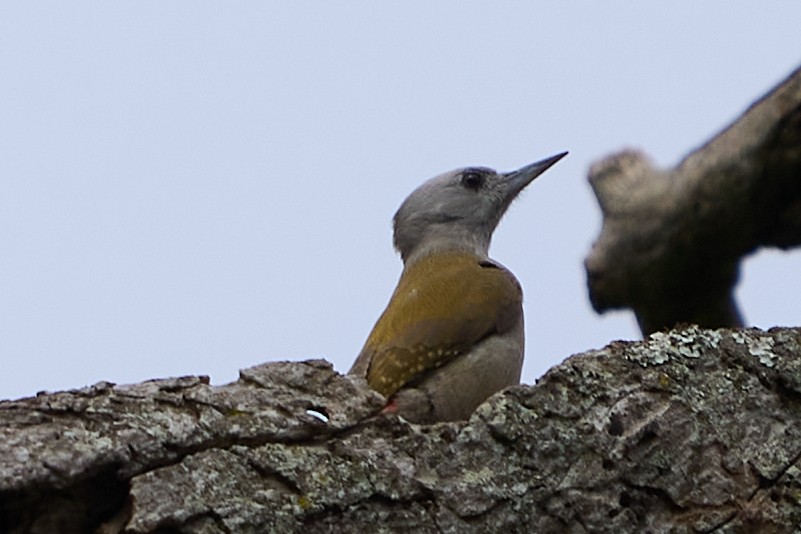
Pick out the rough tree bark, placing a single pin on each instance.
(672, 240)
(690, 431)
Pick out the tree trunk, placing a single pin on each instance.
(692, 430)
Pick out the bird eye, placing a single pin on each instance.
(472, 179)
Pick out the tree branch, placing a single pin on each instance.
(692, 429)
(672, 240)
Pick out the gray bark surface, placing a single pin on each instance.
(672, 239)
(690, 431)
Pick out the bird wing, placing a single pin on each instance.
(442, 306)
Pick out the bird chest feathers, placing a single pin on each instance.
(444, 304)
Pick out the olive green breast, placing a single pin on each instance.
(443, 305)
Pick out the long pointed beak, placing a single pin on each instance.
(517, 180)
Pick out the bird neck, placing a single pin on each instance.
(467, 246)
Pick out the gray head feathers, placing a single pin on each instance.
(459, 209)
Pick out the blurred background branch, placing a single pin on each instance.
(673, 239)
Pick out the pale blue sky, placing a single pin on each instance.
(197, 187)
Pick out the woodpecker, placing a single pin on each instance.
(452, 333)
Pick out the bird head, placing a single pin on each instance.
(460, 209)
